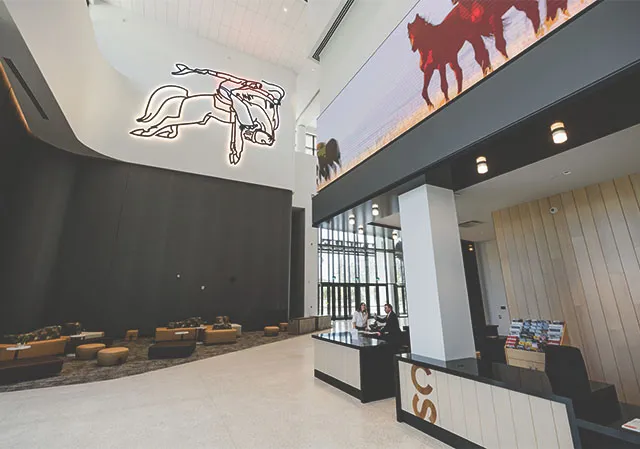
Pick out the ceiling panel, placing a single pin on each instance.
(280, 31)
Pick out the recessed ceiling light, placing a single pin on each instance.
(559, 133)
(481, 165)
(285, 9)
(566, 172)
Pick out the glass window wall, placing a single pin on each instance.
(357, 268)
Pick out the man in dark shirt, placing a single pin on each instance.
(392, 326)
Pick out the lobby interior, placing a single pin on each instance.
(170, 278)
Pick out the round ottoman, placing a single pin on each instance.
(284, 327)
(271, 331)
(88, 351)
(112, 356)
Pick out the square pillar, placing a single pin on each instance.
(438, 303)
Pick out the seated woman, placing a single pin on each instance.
(360, 317)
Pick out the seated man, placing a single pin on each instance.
(392, 326)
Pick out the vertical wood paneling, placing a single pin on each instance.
(581, 265)
(504, 263)
(534, 262)
(530, 296)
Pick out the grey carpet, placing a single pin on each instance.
(81, 371)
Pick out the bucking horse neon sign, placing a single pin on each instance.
(250, 107)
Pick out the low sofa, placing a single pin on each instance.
(174, 330)
(29, 369)
(217, 336)
(38, 349)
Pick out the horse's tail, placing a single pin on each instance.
(159, 98)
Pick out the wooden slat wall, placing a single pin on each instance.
(581, 265)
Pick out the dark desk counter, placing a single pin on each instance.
(521, 407)
(359, 365)
(358, 341)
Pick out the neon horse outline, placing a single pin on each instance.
(250, 107)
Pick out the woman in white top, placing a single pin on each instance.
(361, 317)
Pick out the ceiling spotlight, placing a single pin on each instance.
(481, 165)
(566, 172)
(352, 220)
(559, 133)
(285, 9)
(360, 229)
(374, 210)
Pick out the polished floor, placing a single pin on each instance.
(264, 397)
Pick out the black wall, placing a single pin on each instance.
(590, 48)
(102, 242)
(296, 305)
(474, 290)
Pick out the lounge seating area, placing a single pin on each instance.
(66, 354)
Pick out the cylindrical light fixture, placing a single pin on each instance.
(352, 220)
(394, 235)
(559, 133)
(360, 229)
(375, 210)
(481, 165)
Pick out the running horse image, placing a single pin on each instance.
(329, 158)
(468, 21)
(250, 107)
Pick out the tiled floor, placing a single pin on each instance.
(260, 398)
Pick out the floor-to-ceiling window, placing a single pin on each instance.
(357, 268)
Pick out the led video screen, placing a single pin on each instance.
(440, 49)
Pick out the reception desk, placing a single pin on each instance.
(470, 403)
(356, 364)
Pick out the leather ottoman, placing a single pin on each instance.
(216, 336)
(29, 369)
(172, 349)
(88, 352)
(271, 331)
(112, 356)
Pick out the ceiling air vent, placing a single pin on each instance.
(26, 88)
(334, 26)
(469, 224)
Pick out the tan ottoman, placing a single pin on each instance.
(284, 327)
(238, 328)
(89, 351)
(216, 336)
(271, 331)
(132, 334)
(112, 356)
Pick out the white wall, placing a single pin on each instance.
(101, 103)
(363, 29)
(493, 289)
(305, 186)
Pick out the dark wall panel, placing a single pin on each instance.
(133, 230)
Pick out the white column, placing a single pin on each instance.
(438, 303)
(301, 133)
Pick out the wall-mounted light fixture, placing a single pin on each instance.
(394, 235)
(375, 210)
(352, 220)
(471, 247)
(360, 229)
(481, 165)
(559, 133)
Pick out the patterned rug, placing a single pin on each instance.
(81, 371)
